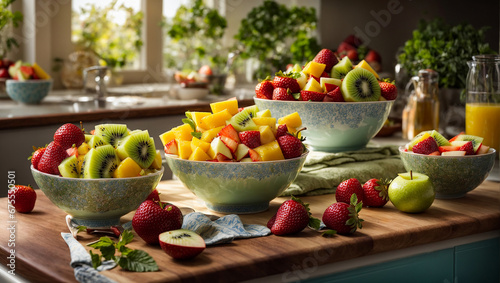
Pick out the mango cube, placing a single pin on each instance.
(264, 113)
(270, 151)
(209, 135)
(231, 105)
(266, 121)
(363, 64)
(314, 69)
(166, 137)
(313, 85)
(183, 132)
(184, 149)
(157, 161)
(266, 134)
(127, 168)
(199, 155)
(197, 116)
(216, 120)
(195, 142)
(292, 120)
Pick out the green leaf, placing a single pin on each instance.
(126, 237)
(190, 122)
(196, 134)
(329, 233)
(103, 242)
(314, 223)
(96, 259)
(139, 261)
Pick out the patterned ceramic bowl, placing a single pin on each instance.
(452, 176)
(96, 202)
(28, 92)
(334, 126)
(236, 187)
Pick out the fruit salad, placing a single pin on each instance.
(327, 79)
(230, 133)
(23, 71)
(433, 143)
(110, 151)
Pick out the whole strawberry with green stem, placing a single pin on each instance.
(344, 217)
(376, 192)
(153, 218)
(291, 146)
(287, 81)
(53, 156)
(347, 188)
(264, 89)
(388, 90)
(36, 156)
(281, 93)
(292, 217)
(68, 135)
(23, 198)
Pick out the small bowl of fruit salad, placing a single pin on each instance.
(30, 84)
(343, 105)
(235, 159)
(455, 166)
(97, 178)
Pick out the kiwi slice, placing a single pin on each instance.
(100, 162)
(360, 85)
(140, 147)
(476, 141)
(242, 121)
(440, 139)
(96, 141)
(340, 70)
(70, 167)
(111, 133)
(252, 110)
(88, 137)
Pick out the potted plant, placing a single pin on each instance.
(274, 35)
(445, 49)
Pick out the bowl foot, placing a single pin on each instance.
(95, 223)
(238, 208)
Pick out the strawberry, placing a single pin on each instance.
(347, 188)
(23, 198)
(264, 89)
(292, 217)
(334, 96)
(73, 150)
(468, 148)
(291, 146)
(375, 193)
(373, 56)
(230, 132)
(36, 155)
(53, 156)
(68, 135)
(280, 93)
(311, 95)
(353, 40)
(388, 90)
(281, 130)
(271, 221)
(287, 81)
(250, 138)
(426, 146)
(352, 55)
(327, 57)
(154, 195)
(344, 47)
(344, 217)
(254, 155)
(152, 218)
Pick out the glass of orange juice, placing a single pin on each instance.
(482, 110)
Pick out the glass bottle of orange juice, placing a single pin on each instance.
(421, 112)
(482, 109)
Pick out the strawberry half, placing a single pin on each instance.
(388, 90)
(250, 138)
(53, 156)
(68, 135)
(327, 57)
(287, 81)
(280, 93)
(468, 147)
(292, 217)
(427, 146)
(308, 95)
(375, 193)
(334, 96)
(264, 89)
(347, 188)
(344, 217)
(23, 198)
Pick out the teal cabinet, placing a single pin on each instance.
(474, 262)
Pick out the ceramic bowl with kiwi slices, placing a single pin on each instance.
(113, 173)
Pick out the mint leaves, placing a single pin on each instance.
(129, 259)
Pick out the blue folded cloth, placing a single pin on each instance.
(222, 230)
(82, 263)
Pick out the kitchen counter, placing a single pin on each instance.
(42, 255)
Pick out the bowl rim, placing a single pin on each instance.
(99, 179)
(31, 81)
(322, 102)
(491, 151)
(176, 157)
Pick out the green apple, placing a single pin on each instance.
(411, 192)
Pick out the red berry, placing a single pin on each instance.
(53, 156)
(334, 96)
(327, 57)
(68, 135)
(23, 198)
(343, 217)
(250, 138)
(36, 156)
(468, 147)
(154, 195)
(281, 130)
(280, 93)
(388, 90)
(375, 193)
(292, 217)
(291, 146)
(348, 187)
(427, 146)
(286, 81)
(150, 220)
(307, 95)
(264, 89)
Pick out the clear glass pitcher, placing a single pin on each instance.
(421, 112)
(482, 108)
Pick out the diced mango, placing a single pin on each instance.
(127, 168)
(199, 155)
(209, 135)
(266, 121)
(363, 64)
(183, 132)
(157, 161)
(216, 120)
(197, 116)
(266, 134)
(184, 148)
(231, 105)
(264, 113)
(313, 85)
(195, 142)
(83, 148)
(270, 151)
(314, 69)
(167, 136)
(292, 120)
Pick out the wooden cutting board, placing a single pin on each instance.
(42, 255)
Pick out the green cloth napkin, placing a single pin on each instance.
(323, 172)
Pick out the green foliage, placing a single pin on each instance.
(129, 259)
(7, 19)
(194, 37)
(118, 45)
(279, 35)
(444, 48)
